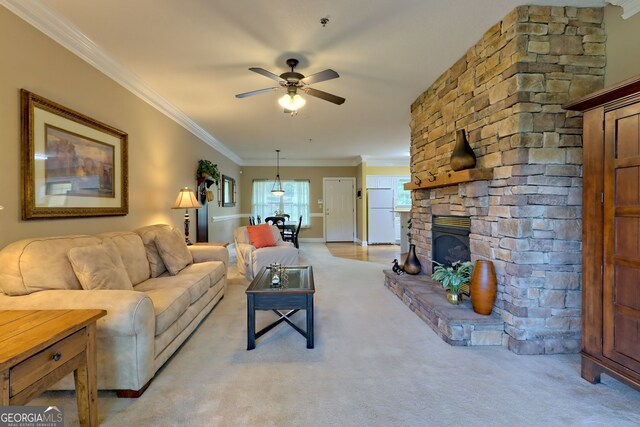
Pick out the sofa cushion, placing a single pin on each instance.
(261, 236)
(196, 283)
(214, 269)
(148, 235)
(285, 254)
(99, 267)
(169, 303)
(173, 251)
(36, 264)
(132, 252)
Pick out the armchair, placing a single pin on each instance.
(252, 259)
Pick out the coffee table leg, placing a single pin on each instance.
(251, 322)
(86, 381)
(309, 321)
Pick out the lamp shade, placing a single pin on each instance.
(186, 200)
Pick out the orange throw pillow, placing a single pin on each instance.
(261, 236)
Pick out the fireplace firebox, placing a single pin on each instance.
(450, 237)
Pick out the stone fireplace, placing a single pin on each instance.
(507, 92)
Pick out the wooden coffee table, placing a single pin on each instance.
(39, 347)
(294, 294)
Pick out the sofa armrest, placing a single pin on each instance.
(129, 313)
(203, 253)
(244, 251)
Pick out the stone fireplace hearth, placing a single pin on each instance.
(506, 92)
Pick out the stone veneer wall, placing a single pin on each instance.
(507, 93)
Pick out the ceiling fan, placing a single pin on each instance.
(292, 81)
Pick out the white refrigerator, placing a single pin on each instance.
(380, 216)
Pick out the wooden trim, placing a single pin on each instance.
(626, 262)
(133, 394)
(592, 231)
(627, 162)
(614, 93)
(632, 211)
(427, 180)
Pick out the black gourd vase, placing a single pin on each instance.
(463, 156)
(411, 263)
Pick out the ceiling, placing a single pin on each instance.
(193, 57)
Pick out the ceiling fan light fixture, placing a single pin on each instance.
(291, 103)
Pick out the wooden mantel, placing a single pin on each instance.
(424, 180)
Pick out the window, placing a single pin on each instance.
(402, 196)
(295, 201)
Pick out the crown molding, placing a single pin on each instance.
(64, 33)
(386, 161)
(302, 162)
(629, 7)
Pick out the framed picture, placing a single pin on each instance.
(72, 165)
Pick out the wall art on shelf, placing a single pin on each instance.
(72, 165)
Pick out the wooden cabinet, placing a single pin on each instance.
(611, 233)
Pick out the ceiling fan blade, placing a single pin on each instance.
(266, 73)
(320, 77)
(323, 95)
(255, 92)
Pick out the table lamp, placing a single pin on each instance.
(186, 200)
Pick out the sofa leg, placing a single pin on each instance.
(132, 394)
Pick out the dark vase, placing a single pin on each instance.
(483, 287)
(463, 156)
(412, 264)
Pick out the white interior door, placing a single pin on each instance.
(339, 209)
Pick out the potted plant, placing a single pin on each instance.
(452, 278)
(206, 174)
(207, 171)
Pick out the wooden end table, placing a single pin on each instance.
(39, 347)
(295, 293)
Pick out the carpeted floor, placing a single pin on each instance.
(375, 364)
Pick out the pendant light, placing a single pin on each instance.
(277, 185)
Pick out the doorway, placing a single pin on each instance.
(339, 209)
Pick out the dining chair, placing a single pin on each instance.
(252, 221)
(290, 235)
(258, 219)
(275, 220)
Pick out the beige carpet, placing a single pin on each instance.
(375, 364)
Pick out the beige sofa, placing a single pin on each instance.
(145, 324)
(252, 259)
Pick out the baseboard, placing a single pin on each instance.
(361, 242)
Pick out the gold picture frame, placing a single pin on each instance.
(72, 165)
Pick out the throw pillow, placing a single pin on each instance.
(261, 235)
(99, 267)
(173, 251)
